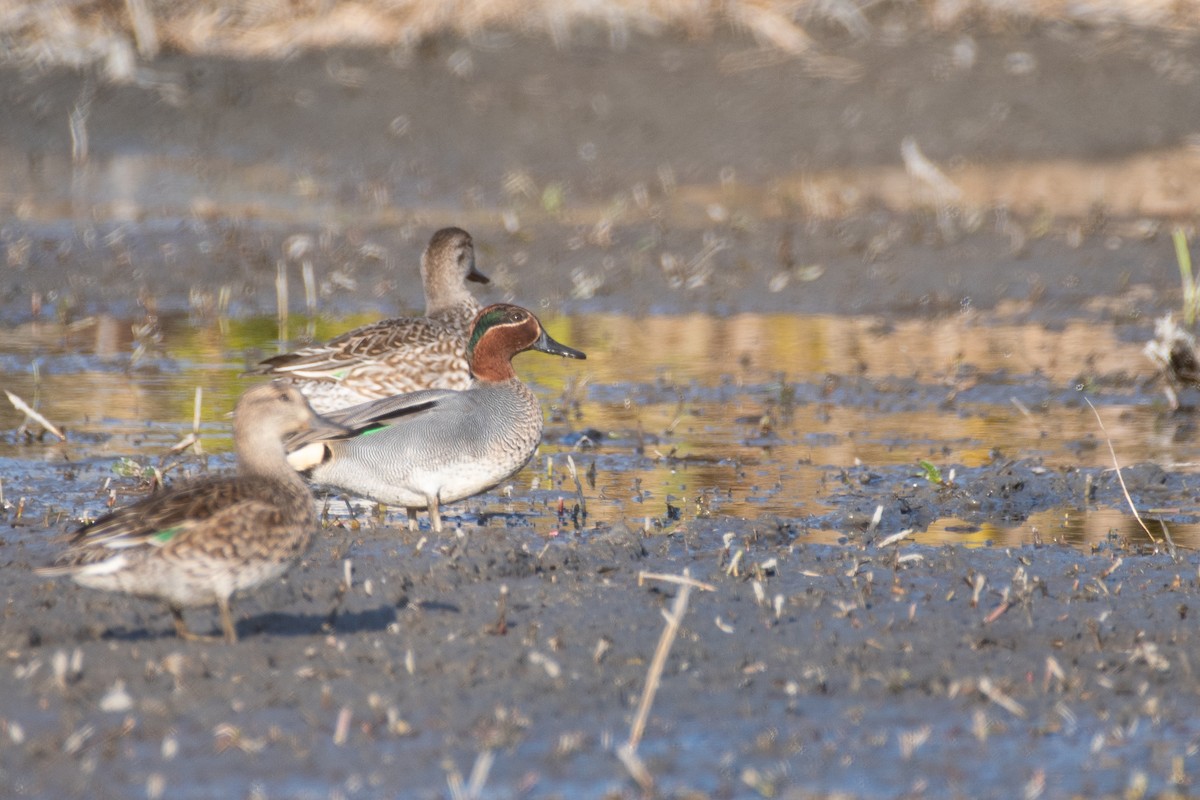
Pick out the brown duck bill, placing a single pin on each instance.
(548, 345)
(477, 276)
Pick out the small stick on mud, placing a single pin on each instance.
(197, 402)
(1120, 477)
(501, 626)
(1111, 568)
(977, 588)
(627, 752)
(993, 693)
(1022, 408)
(876, 518)
(997, 612)
(1166, 535)
(578, 488)
(476, 781)
(77, 123)
(310, 299)
(341, 730)
(310, 287)
(893, 538)
(281, 302)
(30, 414)
(192, 439)
(684, 579)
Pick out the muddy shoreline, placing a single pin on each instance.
(897, 671)
(811, 669)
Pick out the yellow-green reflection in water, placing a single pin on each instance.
(729, 415)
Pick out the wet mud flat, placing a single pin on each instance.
(815, 661)
(672, 175)
(872, 667)
(808, 670)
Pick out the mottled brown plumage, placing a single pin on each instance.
(200, 543)
(396, 356)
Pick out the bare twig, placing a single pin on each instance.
(894, 538)
(578, 486)
(628, 751)
(479, 773)
(1166, 535)
(993, 693)
(1024, 409)
(679, 579)
(281, 302)
(1117, 467)
(997, 612)
(475, 782)
(30, 414)
(192, 440)
(77, 123)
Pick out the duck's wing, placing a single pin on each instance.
(162, 519)
(361, 345)
(157, 519)
(369, 417)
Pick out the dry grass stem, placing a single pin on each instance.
(977, 589)
(1111, 568)
(77, 123)
(341, 730)
(308, 275)
(925, 172)
(683, 580)
(578, 486)
(475, 782)
(281, 302)
(1022, 408)
(894, 538)
(993, 693)
(1117, 467)
(628, 752)
(657, 663)
(636, 767)
(192, 440)
(997, 612)
(479, 773)
(1166, 535)
(30, 414)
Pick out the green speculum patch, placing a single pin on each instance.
(167, 535)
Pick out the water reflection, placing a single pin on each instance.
(670, 416)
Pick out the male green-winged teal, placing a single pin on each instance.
(438, 446)
(405, 354)
(198, 544)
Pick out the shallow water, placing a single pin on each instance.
(671, 417)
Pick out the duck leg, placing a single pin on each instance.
(413, 525)
(183, 631)
(435, 513)
(227, 620)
